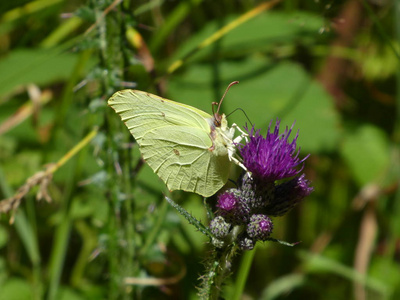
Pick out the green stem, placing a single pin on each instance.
(243, 273)
(57, 259)
(220, 268)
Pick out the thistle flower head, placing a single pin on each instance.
(227, 202)
(271, 157)
(233, 207)
(261, 192)
(288, 194)
(219, 227)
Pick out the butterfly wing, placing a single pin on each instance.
(182, 158)
(174, 140)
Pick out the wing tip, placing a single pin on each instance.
(121, 94)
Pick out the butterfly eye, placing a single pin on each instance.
(217, 120)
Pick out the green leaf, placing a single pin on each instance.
(15, 289)
(282, 286)
(278, 28)
(266, 92)
(282, 242)
(23, 164)
(319, 264)
(39, 66)
(378, 61)
(28, 236)
(384, 269)
(366, 151)
(171, 22)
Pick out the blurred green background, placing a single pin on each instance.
(330, 66)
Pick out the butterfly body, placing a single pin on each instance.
(186, 147)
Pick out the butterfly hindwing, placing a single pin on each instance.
(181, 157)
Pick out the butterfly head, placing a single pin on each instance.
(218, 121)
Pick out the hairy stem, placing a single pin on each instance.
(219, 268)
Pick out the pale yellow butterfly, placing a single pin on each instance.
(186, 147)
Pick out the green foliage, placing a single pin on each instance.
(15, 289)
(41, 66)
(291, 96)
(109, 233)
(368, 162)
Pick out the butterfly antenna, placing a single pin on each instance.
(212, 106)
(241, 109)
(227, 89)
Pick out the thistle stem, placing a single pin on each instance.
(220, 267)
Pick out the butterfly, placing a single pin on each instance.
(187, 148)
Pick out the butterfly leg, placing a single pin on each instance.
(232, 150)
(236, 161)
(239, 163)
(242, 134)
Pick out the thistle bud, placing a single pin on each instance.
(219, 227)
(259, 227)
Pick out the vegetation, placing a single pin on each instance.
(84, 218)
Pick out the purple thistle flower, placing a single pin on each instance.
(233, 207)
(288, 194)
(261, 192)
(273, 157)
(227, 202)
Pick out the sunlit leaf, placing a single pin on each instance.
(37, 66)
(278, 28)
(266, 91)
(366, 151)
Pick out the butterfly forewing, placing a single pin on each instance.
(141, 111)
